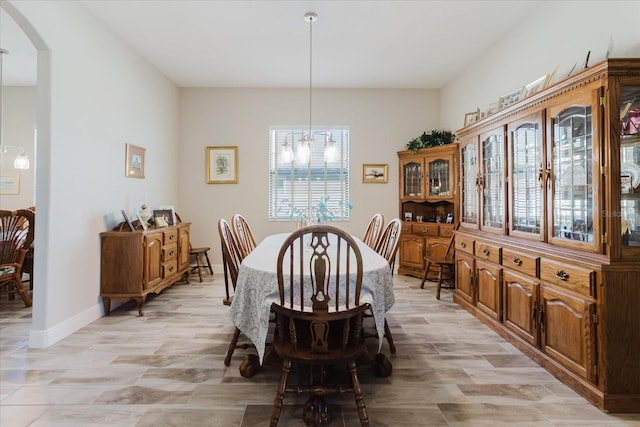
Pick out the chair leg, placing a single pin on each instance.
(387, 333)
(232, 347)
(357, 391)
(199, 267)
(19, 287)
(277, 404)
(206, 255)
(426, 272)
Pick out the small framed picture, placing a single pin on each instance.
(535, 86)
(221, 165)
(374, 174)
(134, 161)
(163, 217)
(470, 118)
(487, 110)
(127, 220)
(173, 213)
(143, 218)
(408, 216)
(510, 98)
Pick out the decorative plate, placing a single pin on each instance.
(633, 170)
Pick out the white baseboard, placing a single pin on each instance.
(46, 337)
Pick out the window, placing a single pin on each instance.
(297, 189)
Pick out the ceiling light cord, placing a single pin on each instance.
(310, 72)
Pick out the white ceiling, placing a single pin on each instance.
(356, 44)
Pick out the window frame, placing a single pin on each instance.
(311, 192)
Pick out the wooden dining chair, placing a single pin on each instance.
(373, 231)
(442, 258)
(319, 317)
(243, 234)
(16, 237)
(231, 259)
(388, 247)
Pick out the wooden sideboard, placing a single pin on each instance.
(135, 264)
(548, 250)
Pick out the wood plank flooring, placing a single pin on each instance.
(166, 369)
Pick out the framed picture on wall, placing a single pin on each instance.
(10, 182)
(134, 161)
(374, 174)
(221, 165)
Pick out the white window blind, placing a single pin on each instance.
(297, 189)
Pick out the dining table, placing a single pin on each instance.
(257, 288)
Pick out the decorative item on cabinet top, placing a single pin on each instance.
(434, 139)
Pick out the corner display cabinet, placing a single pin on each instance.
(428, 204)
(548, 251)
(137, 263)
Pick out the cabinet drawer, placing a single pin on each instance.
(169, 252)
(426, 229)
(521, 262)
(446, 230)
(171, 236)
(578, 279)
(406, 228)
(169, 268)
(464, 244)
(489, 252)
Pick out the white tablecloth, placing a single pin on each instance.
(257, 288)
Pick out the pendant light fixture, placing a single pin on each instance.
(302, 151)
(21, 161)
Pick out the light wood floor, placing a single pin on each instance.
(166, 369)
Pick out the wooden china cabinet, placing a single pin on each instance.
(428, 200)
(137, 263)
(548, 252)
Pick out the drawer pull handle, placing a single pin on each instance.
(172, 253)
(463, 244)
(486, 252)
(517, 261)
(562, 275)
(171, 237)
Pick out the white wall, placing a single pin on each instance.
(557, 33)
(381, 123)
(19, 120)
(94, 95)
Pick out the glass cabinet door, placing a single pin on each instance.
(469, 181)
(573, 175)
(440, 184)
(630, 167)
(412, 179)
(492, 179)
(526, 177)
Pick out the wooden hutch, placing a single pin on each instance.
(548, 253)
(428, 203)
(137, 263)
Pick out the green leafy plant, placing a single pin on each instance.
(320, 213)
(433, 139)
